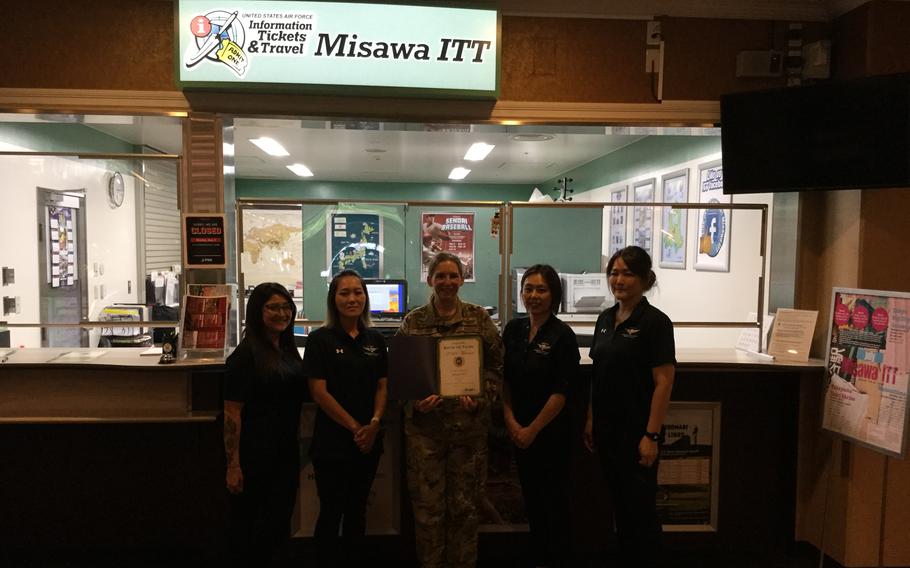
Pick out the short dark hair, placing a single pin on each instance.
(554, 283)
(639, 262)
(332, 318)
(255, 327)
(444, 257)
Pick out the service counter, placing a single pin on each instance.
(107, 449)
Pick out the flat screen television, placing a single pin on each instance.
(834, 135)
(388, 298)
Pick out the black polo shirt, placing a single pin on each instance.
(624, 358)
(271, 395)
(537, 369)
(351, 368)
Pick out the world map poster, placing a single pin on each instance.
(272, 247)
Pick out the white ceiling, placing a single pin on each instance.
(418, 152)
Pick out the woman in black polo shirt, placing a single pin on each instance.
(263, 390)
(541, 358)
(634, 363)
(345, 362)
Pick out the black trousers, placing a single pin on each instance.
(344, 488)
(543, 470)
(633, 488)
(260, 516)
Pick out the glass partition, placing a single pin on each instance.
(709, 260)
(89, 230)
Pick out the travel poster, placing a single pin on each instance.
(355, 243)
(868, 367)
(643, 216)
(617, 230)
(713, 243)
(673, 221)
(448, 232)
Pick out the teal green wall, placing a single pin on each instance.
(646, 155)
(293, 189)
(56, 137)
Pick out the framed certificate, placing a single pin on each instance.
(423, 365)
(460, 363)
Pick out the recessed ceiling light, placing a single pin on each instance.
(459, 173)
(300, 170)
(478, 151)
(270, 146)
(510, 122)
(532, 137)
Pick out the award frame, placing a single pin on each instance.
(459, 364)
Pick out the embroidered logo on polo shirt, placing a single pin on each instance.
(339, 351)
(371, 350)
(543, 348)
(631, 333)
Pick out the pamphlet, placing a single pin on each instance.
(791, 334)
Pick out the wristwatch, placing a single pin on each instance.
(653, 436)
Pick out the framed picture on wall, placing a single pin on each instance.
(674, 189)
(354, 241)
(617, 220)
(712, 250)
(448, 232)
(643, 217)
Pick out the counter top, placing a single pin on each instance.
(132, 357)
(98, 357)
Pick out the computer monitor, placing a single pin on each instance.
(388, 298)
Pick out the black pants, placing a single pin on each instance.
(260, 516)
(634, 491)
(543, 469)
(344, 488)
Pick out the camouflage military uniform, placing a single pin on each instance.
(447, 447)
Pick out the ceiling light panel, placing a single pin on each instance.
(478, 151)
(459, 173)
(270, 146)
(300, 170)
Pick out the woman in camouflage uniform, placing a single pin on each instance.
(446, 439)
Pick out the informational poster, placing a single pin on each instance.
(273, 247)
(448, 232)
(203, 323)
(868, 368)
(643, 217)
(383, 505)
(355, 243)
(617, 220)
(791, 334)
(673, 221)
(687, 474)
(204, 239)
(61, 243)
(713, 243)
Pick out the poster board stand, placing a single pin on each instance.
(204, 319)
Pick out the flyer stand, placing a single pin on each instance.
(204, 320)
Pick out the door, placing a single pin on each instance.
(61, 257)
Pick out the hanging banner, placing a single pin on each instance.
(868, 368)
(713, 243)
(355, 243)
(448, 232)
(333, 45)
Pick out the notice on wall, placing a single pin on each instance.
(617, 220)
(448, 232)
(687, 472)
(713, 243)
(204, 238)
(868, 368)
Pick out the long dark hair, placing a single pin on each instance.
(638, 261)
(255, 328)
(554, 283)
(332, 318)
